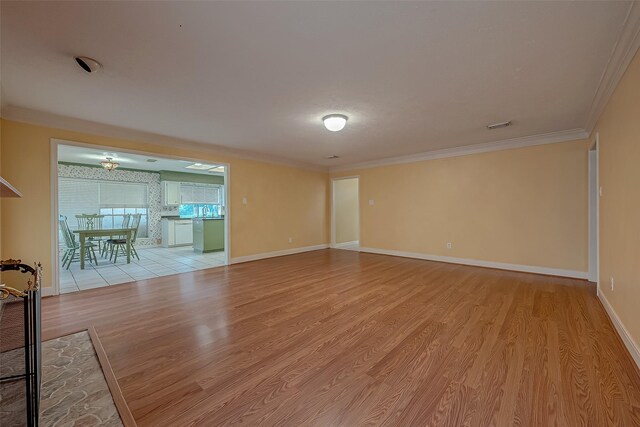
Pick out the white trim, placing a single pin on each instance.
(506, 144)
(284, 252)
(622, 53)
(48, 291)
(55, 227)
(55, 253)
(480, 263)
(628, 341)
(594, 270)
(346, 245)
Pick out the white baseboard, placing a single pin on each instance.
(349, 245)
(631, 345)
(264, 255)
(480, 263)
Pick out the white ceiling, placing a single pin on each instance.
(258, 76)
(93, 157)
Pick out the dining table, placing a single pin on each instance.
(83, 234)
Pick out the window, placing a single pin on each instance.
(201, 200)
(110, 198)
(200, 210)
(113, 218)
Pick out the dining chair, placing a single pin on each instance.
(117, 245)
(108, 246)
(72, 246)
(91, 222)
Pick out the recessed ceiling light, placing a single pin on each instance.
(499, 125)
(335, 122)
(89, 65)
(200, 166)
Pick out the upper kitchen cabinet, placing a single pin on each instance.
(184, 193)
(171, 193)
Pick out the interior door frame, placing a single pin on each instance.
(594, 214)
(332, 207)
(55, 234)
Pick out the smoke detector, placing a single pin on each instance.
(89, 65)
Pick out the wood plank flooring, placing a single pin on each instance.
(340, 338)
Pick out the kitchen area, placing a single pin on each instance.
(177, 209)
(193, 212)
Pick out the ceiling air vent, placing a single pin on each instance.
(499, 125)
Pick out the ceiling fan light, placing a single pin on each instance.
(109, 164)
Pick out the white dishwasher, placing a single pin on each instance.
(183, 232)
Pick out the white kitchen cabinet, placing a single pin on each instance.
(186, 194)
(170, 193)
(177, 232)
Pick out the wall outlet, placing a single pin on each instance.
(290, 239)
(449, 245)
(244, 200)
(600, 191)
(611, 283)
(372, 202)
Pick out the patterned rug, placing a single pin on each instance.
(74, 391)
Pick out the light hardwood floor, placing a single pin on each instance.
(341, 338)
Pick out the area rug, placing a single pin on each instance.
(74, 390)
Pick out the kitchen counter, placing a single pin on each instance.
(208, 234)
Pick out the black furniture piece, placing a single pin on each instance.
(20, 345)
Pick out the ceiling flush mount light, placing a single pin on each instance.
(200, 166)
(109, 164)
(89, 65)
(499, 125)
(335, 122)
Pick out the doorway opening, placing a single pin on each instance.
(121, 216)
(345, 213)
(594, 212)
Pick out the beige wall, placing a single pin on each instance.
(524, 206)
(619, 151)
(283, 201)
(346, 205)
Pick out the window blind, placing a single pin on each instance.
(77, 197)
(123, 194)
(83, 196)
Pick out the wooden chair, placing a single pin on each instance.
(107, 247)
(117, 245)
(72, 247)
(91, 222)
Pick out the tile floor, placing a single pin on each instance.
(154, 262)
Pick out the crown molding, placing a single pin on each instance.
(42, 118)
(506, 144)
(621, 56)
